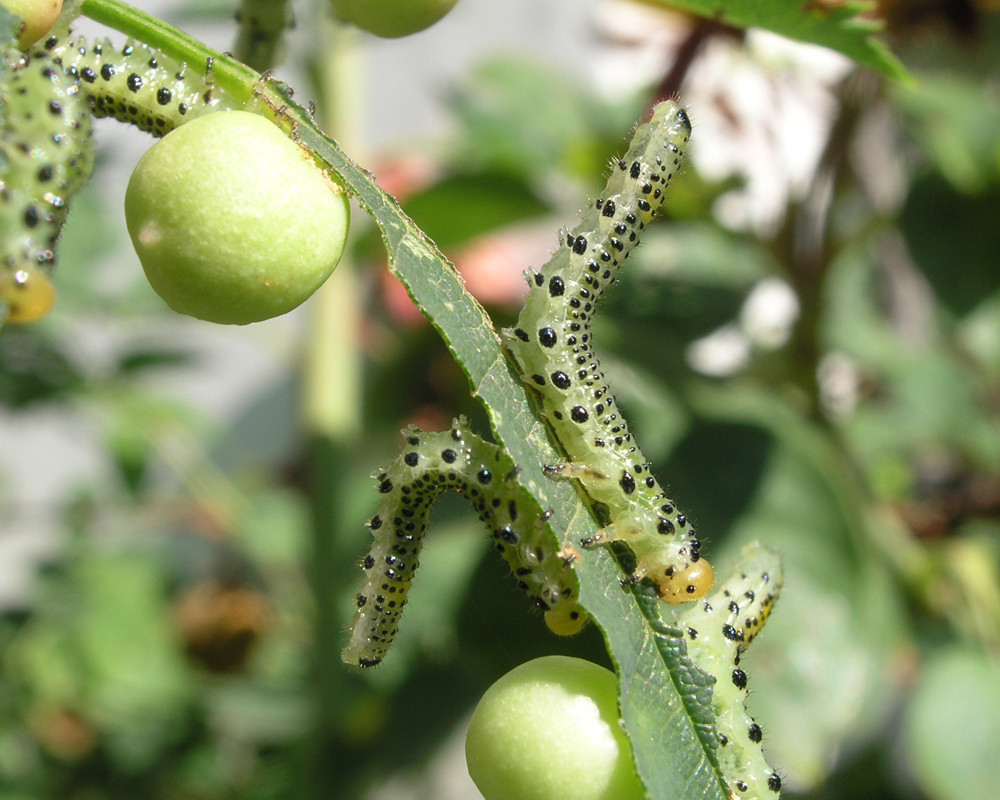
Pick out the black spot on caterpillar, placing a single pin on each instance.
(553, 349)
(136, 84)
(46, 155)
(454, 460)
(719, 629)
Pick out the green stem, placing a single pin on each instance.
(332, 370)
(231, 75)
(332, 406)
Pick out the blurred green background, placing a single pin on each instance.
(808, 348)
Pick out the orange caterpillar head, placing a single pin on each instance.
(28, 295)
(566, 619)
(690, 583)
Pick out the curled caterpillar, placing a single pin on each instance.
(454, 460)
(137, 84)
(552, 346)
(719, 629)
(46, 155)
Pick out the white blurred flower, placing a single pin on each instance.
(724, 351)
(765, 323)
(637, 44)
(761, 108)
(768, 313)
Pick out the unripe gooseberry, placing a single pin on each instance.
(37, 18)
(392, 18)
(548, 730)
(232, 221)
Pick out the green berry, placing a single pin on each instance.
(392, 18)
(549, 730)
(232, 221)
(37, 18)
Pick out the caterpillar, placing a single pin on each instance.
(454, 460)
(46, 155)
(719, 629)
(137, 84)
(552, 346)
(556, 358)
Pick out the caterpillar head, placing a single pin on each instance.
(27, 295)
(566, 619)
(680, 586)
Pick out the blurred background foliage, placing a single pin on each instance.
(808, 347)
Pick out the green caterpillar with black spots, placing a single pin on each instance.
(718, 630)
(552, 347)
(454, 460)
(46, 155)
(553, 350)
(136, 84)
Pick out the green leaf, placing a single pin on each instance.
(958, 126)
(463, 207)
(34, 367)
(953, 239)
(838, 26)
(664, 700)
(553, 117)
(953, 724)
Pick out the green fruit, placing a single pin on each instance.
(37, 18)
(392, 18)
(548, 730)
(232, 221)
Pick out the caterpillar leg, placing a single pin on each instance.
(718, 630)
(590, 476)
(673, 564)
(454, 460)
